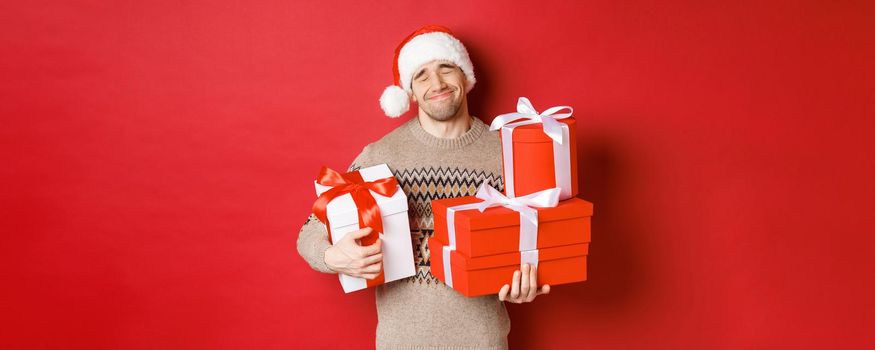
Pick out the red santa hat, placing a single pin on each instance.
(426, 44)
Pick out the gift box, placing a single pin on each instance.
(538, 150)
(487, 274)
(496, 230)
(369, 197)
(479, 241)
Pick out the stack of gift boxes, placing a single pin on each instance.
(479, 241)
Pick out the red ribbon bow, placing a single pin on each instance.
(366, 204)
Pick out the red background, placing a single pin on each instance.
(158, 159)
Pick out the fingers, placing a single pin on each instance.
(371, 271)
(515, 286)
(502, 294)
(545, 289)
(372, 249)
(372, 268)
(358, 234)
(363, 261)
(533, 283)
(373, 259)
(370, 276)
(524, 287)
(525, 281)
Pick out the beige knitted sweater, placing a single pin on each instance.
(421, 312)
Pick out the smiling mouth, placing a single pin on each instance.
(441, 96)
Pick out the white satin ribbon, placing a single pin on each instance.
(528, 221)
(557, 131)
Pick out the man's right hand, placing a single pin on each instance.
(350, 258)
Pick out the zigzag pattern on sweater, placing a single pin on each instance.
(422, 185)
(443, 182)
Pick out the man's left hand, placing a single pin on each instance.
(524, 287)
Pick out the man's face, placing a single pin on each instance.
(439, 89)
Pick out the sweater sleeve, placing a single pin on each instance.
(313, 236)
(313, 242)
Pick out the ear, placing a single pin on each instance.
(412, 96)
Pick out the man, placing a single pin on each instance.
(442, 152)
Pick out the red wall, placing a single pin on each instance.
(158, 159)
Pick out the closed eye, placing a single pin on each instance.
(420, 75)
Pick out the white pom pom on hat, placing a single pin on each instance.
(429, 43)
(394, 101)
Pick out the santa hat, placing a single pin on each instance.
(427, 44)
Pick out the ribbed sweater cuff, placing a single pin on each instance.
(319, 248)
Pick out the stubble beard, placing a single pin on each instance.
(443, 110)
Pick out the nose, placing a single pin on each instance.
(437, 82)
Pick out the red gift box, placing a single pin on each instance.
(481, 240)
(497, 230)
(487, 274)
(538, 150)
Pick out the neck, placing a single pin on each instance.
(447, 129)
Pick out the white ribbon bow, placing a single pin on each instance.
(524, 205)
(525, 110)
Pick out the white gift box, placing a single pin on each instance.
(397, 246)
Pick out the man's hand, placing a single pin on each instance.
(525, 289)
(350, 258)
